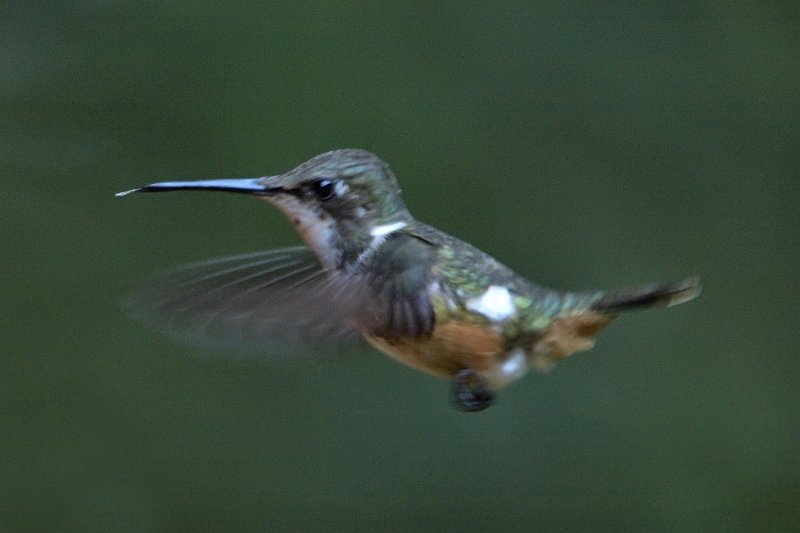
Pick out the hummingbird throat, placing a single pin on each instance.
(336, 243)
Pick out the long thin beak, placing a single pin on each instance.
(242, 185)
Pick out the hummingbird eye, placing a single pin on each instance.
(323, 188)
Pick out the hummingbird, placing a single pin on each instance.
(370, 269)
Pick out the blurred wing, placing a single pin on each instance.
(277, 302)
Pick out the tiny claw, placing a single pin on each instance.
(470, 392)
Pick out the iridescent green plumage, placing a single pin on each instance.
(421, 296)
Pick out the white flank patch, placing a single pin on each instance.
(515, 365)
(494, 304)
(386, 229)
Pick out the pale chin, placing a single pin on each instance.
(315, 226)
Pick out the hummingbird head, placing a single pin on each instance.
(342, 202)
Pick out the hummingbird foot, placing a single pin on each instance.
(471, 392)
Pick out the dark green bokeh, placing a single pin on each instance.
(586, 145)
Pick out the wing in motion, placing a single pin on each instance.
(280, 300)
(273, 302)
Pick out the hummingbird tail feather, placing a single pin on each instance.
(646, 296)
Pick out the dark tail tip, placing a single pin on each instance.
(644, 296)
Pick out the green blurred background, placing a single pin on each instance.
(585, 144)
